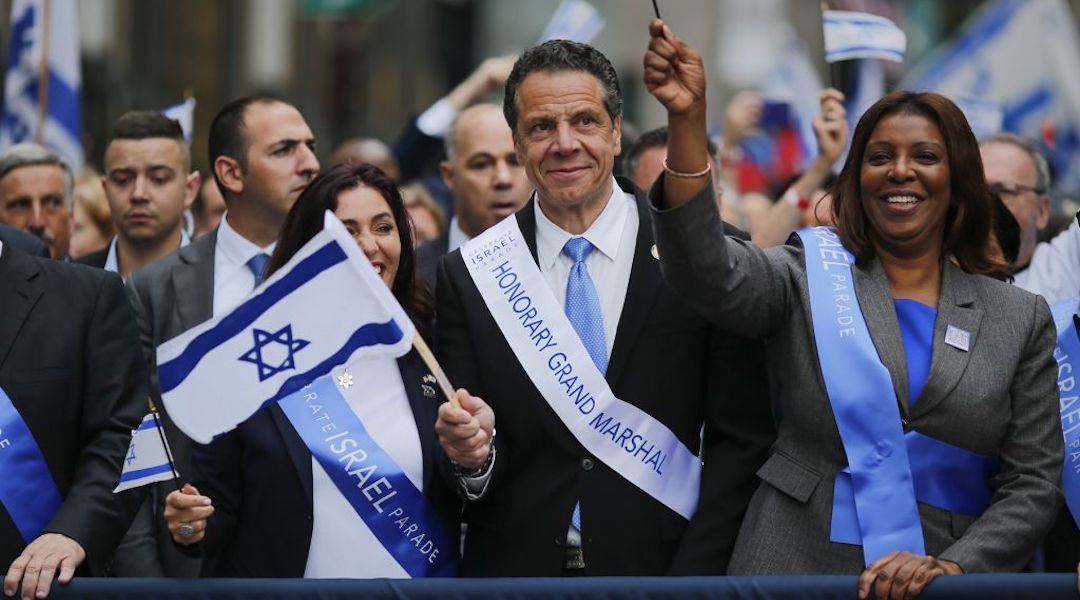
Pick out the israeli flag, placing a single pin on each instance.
(147, 459)
(574, 20)
(850, 34)
(326, 306)
(184, 113)
(1023, 57)
(44, 39)
(795, 80)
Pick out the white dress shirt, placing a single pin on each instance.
(1054, 270)
(233, 280)
(455, 236)
(341, 544)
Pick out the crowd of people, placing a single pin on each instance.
(650, 380)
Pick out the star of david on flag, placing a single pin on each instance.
(274, 344)
(324, 308)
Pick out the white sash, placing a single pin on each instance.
(624, 437)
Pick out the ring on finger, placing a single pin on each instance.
(185, 530)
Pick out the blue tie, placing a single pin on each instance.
(583, 310)
(257, 265)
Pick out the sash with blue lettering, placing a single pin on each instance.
(378, 490)
(27, 489)
(1067, 354)
(874, 497)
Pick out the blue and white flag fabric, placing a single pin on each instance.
(326, 306)
(794, 79)
(574, 20)
(1024, 57)
(44, 39)
(850, 34)
(147, 459)
(184, 113)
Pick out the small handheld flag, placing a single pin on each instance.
(574, 20)
(148, 459)
(850, 35)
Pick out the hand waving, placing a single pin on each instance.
(674, 72)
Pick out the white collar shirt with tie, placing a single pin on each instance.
(233, 280)
(613, 236)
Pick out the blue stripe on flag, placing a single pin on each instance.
(173, 373)
(147, 472)
(147, 424)
(856, 21)
(1040, 97)
(371, 334)
(849, 49)
(968, 42)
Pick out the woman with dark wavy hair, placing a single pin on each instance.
(915, 391)
(267, 508)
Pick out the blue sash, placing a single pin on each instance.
(27, 490)
(1067, 354)
(372, 482)
(865, 409)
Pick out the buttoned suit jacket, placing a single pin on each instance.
(667, 361)
(259, 477)
(70, 365)
(998, 397)
(170, 296)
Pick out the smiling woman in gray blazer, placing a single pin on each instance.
(969, 356)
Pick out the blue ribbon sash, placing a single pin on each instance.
(27, 489)
(1067, 354)
(865, 408)
(372, 482)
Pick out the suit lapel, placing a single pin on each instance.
(947, 365)
(297, 450)
(19, 292)
(194, 298)
(876, 304)
(641, 291)
(423, 408)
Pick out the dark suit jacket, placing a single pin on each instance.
(95, 259)
(997, 397)
(70, 364)
(170, 296)
(25, 242)
(666, 360)
(259, 477)
(428, 256)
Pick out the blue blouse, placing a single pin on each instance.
(917, 331)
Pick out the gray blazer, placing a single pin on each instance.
(998, 398)
(169, 296)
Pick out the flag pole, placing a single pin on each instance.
(433, 365)
(656, 9)
(165, 445)
(43, 72)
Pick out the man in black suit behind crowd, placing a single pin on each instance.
(563, 106)
(74, 381)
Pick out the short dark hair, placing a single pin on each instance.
(653, 138)
(305, 220)
(563, 55)
(969, 238)
(146, 124)
(227, 134)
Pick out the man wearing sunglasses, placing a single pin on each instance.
(1018, 172)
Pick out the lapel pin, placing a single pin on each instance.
(958, 338)
(429, 392)
(345, 380)
(655, 252)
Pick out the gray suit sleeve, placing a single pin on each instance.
(1027, 496)
(731, 282)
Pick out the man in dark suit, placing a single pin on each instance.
(36, 193)
(543, 503)
(482, 172)
(262, 157)
(149, 184)
(72, 374)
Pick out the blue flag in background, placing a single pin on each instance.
(44, 38)
(1023, 57)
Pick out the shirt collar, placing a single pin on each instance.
(112, 263)
(604, 234)
(235, 248)
(456, 237)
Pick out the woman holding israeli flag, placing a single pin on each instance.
(915, 389)
(339, 479)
